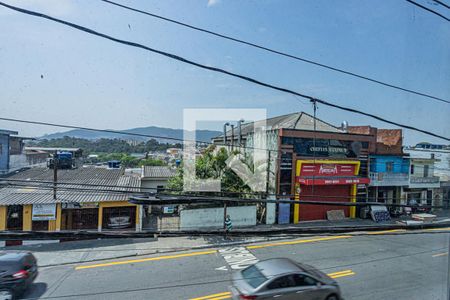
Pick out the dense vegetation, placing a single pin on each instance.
(212, 164)
(104, 145)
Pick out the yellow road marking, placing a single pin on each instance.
(224, 294)
(341, 272)
(342, 275)
(440, 254)
(115, 263)
(387, 231)
(300, 241)
(437, 229)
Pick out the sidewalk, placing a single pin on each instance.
(102, 249)
(94, 250)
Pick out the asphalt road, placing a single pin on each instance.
(378, 266)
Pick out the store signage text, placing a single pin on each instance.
(44, 212)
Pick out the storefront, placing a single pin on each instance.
(321, 166)
(327, 181)
(79, 216)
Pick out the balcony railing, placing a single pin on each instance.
(388, 179)
(424, 180)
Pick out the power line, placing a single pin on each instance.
(169, 199)
(429, 10)
(442, 3)
(215, 69)
(277, 51)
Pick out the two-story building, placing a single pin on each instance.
(310, 160)
(424, 185)
(388, 164)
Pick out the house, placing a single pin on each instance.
(155, 178)
(87, 198)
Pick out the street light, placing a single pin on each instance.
(240, 131)
(225, 132)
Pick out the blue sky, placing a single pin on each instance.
(92, 82)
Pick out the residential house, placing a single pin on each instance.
(87, 198)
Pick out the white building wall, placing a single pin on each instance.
(151, 185)
(213, 217)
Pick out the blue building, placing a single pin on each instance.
(388, 165)
(5, 145)
(388, 175)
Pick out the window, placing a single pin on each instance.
(412, 169)
(253, 276)
(282, 282)
(426, 170)
(389, 166)
(304, 280)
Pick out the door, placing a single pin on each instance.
(331, 193)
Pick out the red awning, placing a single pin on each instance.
(332, 181)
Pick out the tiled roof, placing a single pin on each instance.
(77, 185)
(158, 172)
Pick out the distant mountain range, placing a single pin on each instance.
(201, 135)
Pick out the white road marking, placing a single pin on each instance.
(238, 257)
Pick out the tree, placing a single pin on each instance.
(212, 164)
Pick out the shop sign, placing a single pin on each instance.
(325, 147)
(334, 181)
(44, 212)
(324, 169)
(168, 209)
(76, 205)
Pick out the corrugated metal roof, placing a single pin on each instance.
(158, 172)
(297, 120)
(77, 185)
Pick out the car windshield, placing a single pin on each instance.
(253, 276)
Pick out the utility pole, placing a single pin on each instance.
(224, 214)
(55, 173)
(314, 140)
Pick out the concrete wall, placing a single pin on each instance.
(213, 217)
(151, 185)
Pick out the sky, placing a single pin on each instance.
(52, 73)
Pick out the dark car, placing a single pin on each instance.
(17, 272)
(282, 278)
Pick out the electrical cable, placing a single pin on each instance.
(192, 199)
(61, 185)
(284, 54)
(429, 10)
(215, 69)
(442, 3)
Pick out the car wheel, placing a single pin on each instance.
(332, 297)
(6, 295)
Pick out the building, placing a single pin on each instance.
(13, 156)
(388, 164)
(5, 140)
(311, 160)
(424, 186)
(155, 179)
(87, 198)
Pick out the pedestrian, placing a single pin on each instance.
(228, 226)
